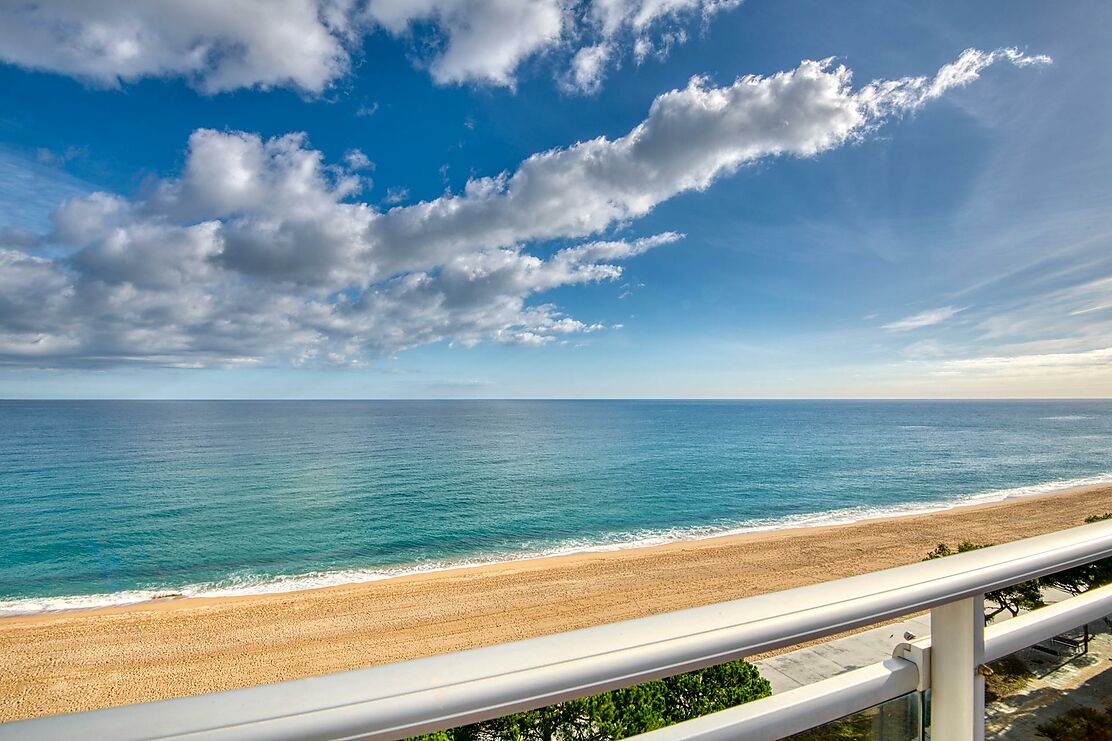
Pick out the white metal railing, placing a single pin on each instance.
(412, 697)
(908, 671)
(800, 709)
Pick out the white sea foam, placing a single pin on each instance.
(248, 585)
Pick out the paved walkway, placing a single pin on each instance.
(825, 660)
(1060, 683)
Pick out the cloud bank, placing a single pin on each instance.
(260, 250)
(1082, 363)
(222, 45)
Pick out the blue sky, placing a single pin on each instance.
(195, 203)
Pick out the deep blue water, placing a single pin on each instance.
(123, 499)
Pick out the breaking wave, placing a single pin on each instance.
(272, 584)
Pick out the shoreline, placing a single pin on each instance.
(277, 585)
(81, 660)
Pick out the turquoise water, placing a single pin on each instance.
(114, 502)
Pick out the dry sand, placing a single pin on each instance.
(82, 660)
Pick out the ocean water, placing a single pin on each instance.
(116, 502)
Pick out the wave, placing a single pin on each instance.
(269, 584)
(1067, 417)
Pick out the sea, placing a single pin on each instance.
(116, 502)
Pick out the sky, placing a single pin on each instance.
(555, 199)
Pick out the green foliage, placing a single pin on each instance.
(1083, 578)
(712, 689)
(1028, 595)
(624, 712)
(1079, 724)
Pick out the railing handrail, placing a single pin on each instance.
(799, 709)
(422, 695)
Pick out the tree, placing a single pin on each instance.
(1087, 576)
(1016, 598)
(624, 712)
(1028, 595)
(709, 690)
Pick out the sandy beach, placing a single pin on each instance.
(81, 660)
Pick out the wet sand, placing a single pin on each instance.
(80, 660)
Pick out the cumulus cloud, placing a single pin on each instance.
(261, 250)
(487, 40)
(217, 44)
(481, 39)
(221, 45)
(691, 137)
(615, 28)
(639, 15)
(922, 319)
(588, 66)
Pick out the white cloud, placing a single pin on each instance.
(261, 250)
(588, 66)
(639, 15)
(691, 137)
(482, 39)
(1091, 309)
(488, 40)
(1037, 365)
(217, 44)
(643, 27)
(221, 45)
(896, 96)
(922, 319)
(396, 194)
(356, 160)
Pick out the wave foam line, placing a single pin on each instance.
(246, 586)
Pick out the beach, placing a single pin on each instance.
(82, 660)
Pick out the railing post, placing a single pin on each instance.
(957, 686)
